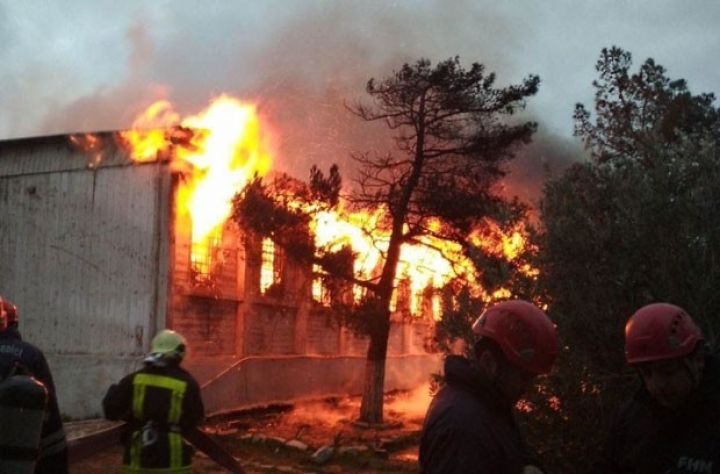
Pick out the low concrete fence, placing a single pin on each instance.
(230, 383)
(261, 380)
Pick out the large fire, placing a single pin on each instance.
(220, 149)
(223, 150)
(426, 265)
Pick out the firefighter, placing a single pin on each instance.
(159, 402)
(672, 423)
(469, 427)
(20, 357)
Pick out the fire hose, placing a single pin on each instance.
(87, 446)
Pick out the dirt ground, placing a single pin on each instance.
(259, 439)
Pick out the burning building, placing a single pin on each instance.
(107, 238)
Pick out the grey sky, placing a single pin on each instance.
(93, 65)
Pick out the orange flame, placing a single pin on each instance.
(149, 133)
(223, 151)
(427, 265)
(220, 149)
(91, 144)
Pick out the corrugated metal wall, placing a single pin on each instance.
(83, 255)
(80, 257)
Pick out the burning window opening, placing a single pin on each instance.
(320, 291)
(436, 305)
(416, 304)
(428, 302)
(359, 293)
(394, 301)
(221, 148)
(206, 256)
(271, 268)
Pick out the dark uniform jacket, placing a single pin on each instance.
(159, 404)
(470, 428)
(647, 438)
(53, 447)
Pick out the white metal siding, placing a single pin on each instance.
(80, 257)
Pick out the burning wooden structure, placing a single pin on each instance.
(106, 238)
(98, 255)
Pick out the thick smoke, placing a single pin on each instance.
(547, 156)
(300, 61)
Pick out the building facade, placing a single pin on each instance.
(98, 258)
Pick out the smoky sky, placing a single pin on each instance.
(90, 66)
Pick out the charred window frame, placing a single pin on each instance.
(320, 292)
(205, 257)
(271, 268)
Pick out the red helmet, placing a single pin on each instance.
(8, 313)
(660, 331)
(525, 334)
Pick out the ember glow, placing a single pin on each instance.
(91, 144)
(219, 150)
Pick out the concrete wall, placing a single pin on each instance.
(83, 258)
(323, 335)
(270, 330)
(254, 381)
(82, 380)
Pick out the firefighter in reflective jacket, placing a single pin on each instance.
(20, 357)
(159, 402)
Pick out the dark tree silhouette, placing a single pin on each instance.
(451, 141)
(637, 114)
(637, 223)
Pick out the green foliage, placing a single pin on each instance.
(265, 209)
(566, 416)
(637, 113)
(617, 239)
(636, 224)
(495, 272)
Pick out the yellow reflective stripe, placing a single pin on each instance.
(161, 381)
(175, 449)
(138, 398)
(135, 449)
(176, 405)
